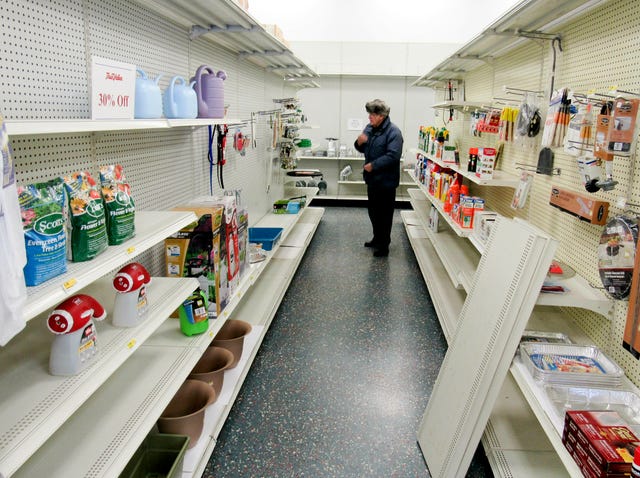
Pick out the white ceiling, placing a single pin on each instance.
(416, 21)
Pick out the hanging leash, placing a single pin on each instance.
(222, 143)
(210, 159)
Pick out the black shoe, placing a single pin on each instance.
(383, 252)
(370, 243)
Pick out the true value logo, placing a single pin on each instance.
(49, 225)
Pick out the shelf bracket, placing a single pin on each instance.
(244, 54)
(536, 35)
(198, 31)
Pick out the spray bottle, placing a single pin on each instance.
(131, 305)
(74, 346)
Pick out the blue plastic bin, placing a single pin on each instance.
(267, 236)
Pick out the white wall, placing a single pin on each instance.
(343, 97)
(363, 58)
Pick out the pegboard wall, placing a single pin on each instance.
(599, 50)
(45, 51)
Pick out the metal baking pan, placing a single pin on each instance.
(625, 402)
(570, 364)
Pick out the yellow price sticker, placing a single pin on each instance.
(131, 250)
(131, 343)
(69, 284)
(211, 333)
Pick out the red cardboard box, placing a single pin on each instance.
(604, 442)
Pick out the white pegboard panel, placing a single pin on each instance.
(44, 73)
(47, 45)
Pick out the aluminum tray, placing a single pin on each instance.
(545, 337)
(625, 402)
(570, 364)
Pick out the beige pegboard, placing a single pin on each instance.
(600, 50)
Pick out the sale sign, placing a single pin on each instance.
(113, 86)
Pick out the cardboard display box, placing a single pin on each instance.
(579, 205)
(194, 251)
(600, 441)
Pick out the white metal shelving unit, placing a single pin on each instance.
(500, 178)
(36, 404)
(135, 394)
(37, 127)
(151, 228)
(228, 25)
(458, 257)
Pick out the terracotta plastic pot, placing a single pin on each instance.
(211, 366)
(231, 337)
(185, 413)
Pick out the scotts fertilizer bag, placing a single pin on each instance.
(86, 221)
(42, 207)
(118, 203)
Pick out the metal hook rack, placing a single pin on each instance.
(520, 91)
(534, 169)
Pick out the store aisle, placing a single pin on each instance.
(344, 373)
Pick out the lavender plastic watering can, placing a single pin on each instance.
(210, 92)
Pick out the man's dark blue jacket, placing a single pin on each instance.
(383, 150)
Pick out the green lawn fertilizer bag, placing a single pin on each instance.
(42, 207)
(86, 221)
(118, 203)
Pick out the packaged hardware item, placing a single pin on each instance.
(42, 207)
(194, 251)
(86, 221)
(486, 163)
(119, 205)
(616, 255)
(579, 205)
(622, 127)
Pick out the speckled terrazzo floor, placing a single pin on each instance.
(344, 373)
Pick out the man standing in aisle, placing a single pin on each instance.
(381, 142)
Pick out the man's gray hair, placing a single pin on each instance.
(377, 107)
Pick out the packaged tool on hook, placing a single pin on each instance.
(576, 141)
(623, 126)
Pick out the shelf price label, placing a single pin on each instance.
(112, 89)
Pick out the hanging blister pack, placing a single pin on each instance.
(578, 136)
(557, 119)
(622, 127)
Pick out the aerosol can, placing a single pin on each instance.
(74, 346)
(131, 305)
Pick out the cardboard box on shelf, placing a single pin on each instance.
(601, 441)
(229, 248)
(194, 251)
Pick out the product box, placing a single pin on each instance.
(604, 441)
(289, 206)
(486, 163)
(194, 251)
(229, 247)
(622, 129)
(243, 239)
(579, 205)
